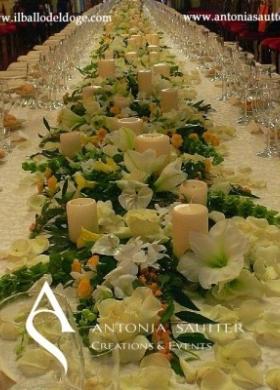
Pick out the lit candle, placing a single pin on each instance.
(160, 143)
(162, 69)
(195, 191)
(121, 101)
(81, 213)
(135, 124)
(169, 99)
(153, 48)
(152, 39)
(187, 218)
(131, 56)
(154, 57)
(145, 81)
(106, 68)
(70, 143)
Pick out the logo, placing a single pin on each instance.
(58, 312)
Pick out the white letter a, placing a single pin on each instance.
(58, 312)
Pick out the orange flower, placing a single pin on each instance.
(76, 266)
(115, 110)
(193, 136)
(52, 184)
(40, 186)
(93, 261)
(84, 288)
(211, 138)
(177, 141)
(208, 165)
(48, 173)
(101, 134)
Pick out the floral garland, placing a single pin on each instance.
(128, 272)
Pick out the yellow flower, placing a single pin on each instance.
(87, 236)
(108, 167)
(82, 183)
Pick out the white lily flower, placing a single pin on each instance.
(67, 119)
(135, 195)
(215, 258)
(107, 245)
(146, 162)
(123, 139)
(108, 221)
(171, 177)
(140, 253)
(36, 202)
(123, 286)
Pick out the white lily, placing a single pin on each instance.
(67, 119)
(140, 253)
(135, 195)
(107, 245)
(146, 162)
(123, 139)
(215, 258)
(171, 177)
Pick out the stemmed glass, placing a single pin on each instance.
(266, 109)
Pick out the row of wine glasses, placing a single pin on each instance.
(252, 85)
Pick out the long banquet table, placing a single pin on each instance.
(16, 187)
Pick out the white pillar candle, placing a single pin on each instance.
(131, 56)
(169, 99)
(153, 48)
(187, 218)
(160, 143)
(81, 213)
(145, 81)
(162, 69)
(154, 57)
(195, 191)
(152, 39)
(70, 143)
(106, 68)
(121, 102)
(135, 124)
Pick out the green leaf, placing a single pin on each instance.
(194, 339)
(183, 300)
(168, 313)
(193, 318)
(46, 123)
(176, 366)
